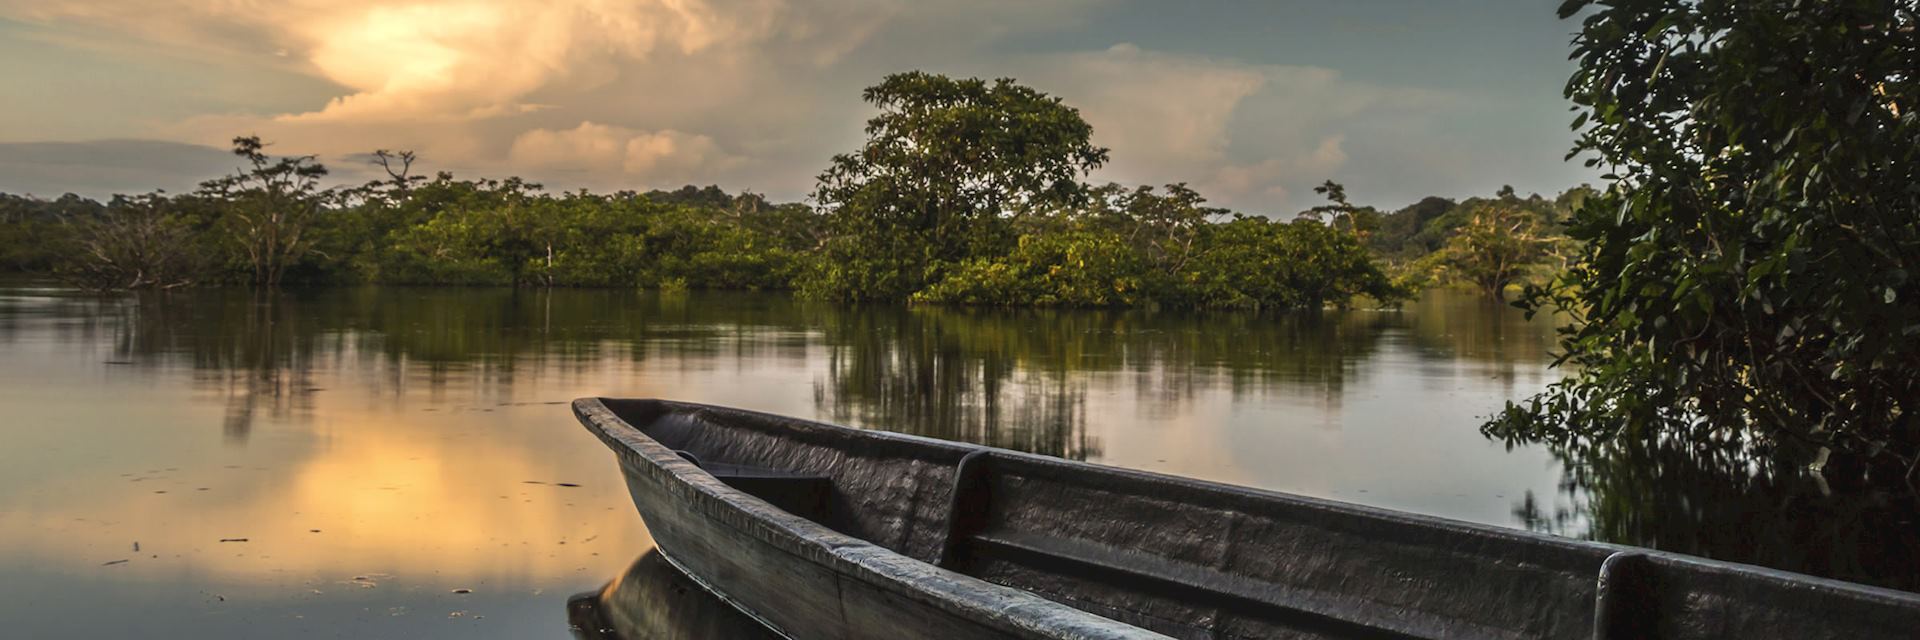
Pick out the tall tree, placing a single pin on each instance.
(1749, 280)
(948, 164)
(270, 206)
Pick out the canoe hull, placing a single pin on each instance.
(795, 595)
(884, 535)
(806, 581)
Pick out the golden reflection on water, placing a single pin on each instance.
(424, 434)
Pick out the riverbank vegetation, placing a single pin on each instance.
(967, 191)
(1747, 289)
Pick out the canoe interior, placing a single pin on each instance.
(1192, 559)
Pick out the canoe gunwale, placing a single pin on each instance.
(1646, 582)
(1010, 610)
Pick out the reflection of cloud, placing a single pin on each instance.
(390, 496)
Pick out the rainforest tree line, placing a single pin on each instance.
(967, 191)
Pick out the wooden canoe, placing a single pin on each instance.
(820, 531)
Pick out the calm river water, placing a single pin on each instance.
(401, 462)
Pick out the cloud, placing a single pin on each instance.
(1247, 135)
(103, 168)
(455, 59)
(1270, 180)
(663, 156)
(466, 82)
(753, 94)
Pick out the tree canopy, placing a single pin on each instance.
(1747, 281)
(947, 166)
(966, 191)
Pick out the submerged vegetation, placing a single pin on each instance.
(967, 191)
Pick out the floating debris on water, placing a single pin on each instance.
(233, 539)
(110, 563)
(367, 581)
(566, 484)
(463, 590)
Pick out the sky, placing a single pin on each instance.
(1250, 102)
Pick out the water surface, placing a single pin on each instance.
(388, 462)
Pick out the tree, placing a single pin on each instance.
(948, 165)
(1497, 246)
(270, 206)
(134, 243)
(1165, 229)
(36, 234)
(1255, 263)
(1363, 222)
(1748, 280)
(398, 165)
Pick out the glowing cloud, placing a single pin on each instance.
(662, 155)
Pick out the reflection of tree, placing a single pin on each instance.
(253, 348)
(1014, 378)
(259, 351)
(1732, 508)
(1019, 378)
(268, 369)
(1464, 327)
(944, 376)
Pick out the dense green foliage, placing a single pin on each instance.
(970, 192)
(1130, 247)
(271, 225)
(948, 169)
(966, 191)
(1747, 284)
(31, 235)
(1489, 244)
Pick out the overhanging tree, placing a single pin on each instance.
(1748, 282)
